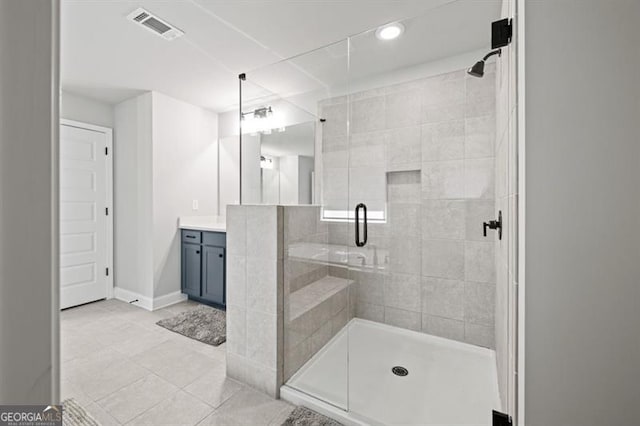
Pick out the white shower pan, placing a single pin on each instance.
(351, 379)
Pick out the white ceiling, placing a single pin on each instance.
(108, 58)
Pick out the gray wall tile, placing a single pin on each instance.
(403, 109)
(443, 327)
(402, 291)
(404, 319)
(479, 303)
(479, 179)
(443, 180)
(443, 219)
(443, 259)
(443, 141)
(479, 262)
(443, 298)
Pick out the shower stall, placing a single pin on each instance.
(394, 165)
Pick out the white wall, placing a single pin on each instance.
(582, 350)
(289, 179)
(305, 169)
(165, 157)
(251, 180)
(29, 87)
(133, 188)
(80, 108)
(185, 158)
(229, 175)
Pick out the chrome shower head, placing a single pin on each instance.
(477, 70)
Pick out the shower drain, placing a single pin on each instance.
(399, 371)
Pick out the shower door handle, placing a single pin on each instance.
(364, 234)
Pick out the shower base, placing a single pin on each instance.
(351, 379)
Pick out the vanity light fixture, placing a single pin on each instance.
(263, 112)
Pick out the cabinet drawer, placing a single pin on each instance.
(214, 239)
(191, 236)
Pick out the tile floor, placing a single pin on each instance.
(124, 369)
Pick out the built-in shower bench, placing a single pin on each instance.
(316, 313)
(327, 291)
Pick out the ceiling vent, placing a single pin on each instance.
(154, 24)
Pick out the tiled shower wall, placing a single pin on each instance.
(423, 152)
(507, 202)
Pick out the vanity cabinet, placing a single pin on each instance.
(203, 266)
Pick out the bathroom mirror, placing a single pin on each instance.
(278, 165)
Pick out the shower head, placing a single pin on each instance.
(477, 70)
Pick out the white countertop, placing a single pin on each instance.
(203, 223)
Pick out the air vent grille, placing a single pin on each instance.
(155, 24)
(141, 17)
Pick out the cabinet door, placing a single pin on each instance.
(213, 274)
(191, 269)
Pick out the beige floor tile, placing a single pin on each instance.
(214, 388)
(282, 416)
(178, 409)
(246, 408)
(132, 400)
(179, 364)
(140, 342)
(100, 382)
(100, 414)
(122, 367)
(147, 319)
(69, 389)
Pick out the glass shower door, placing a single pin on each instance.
(309, 89)
(396, 307)
(386, 245)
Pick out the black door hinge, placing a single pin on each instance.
(501, 33)
(501, 419)
(106, 150)
(106, 211)
(107, 271)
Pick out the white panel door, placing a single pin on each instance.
(84, 236)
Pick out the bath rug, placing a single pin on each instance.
(74, 415)
(302, 416)
(204, 323)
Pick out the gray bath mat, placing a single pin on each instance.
(74, 415)
(302, 416)
(204, 323)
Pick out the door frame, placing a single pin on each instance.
(108, 132)
(520, 329)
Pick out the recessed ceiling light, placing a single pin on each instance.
(390, 31)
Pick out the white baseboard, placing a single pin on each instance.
(146, 302)
(129, 297)
(168, 300)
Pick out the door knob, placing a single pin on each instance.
(493, 224)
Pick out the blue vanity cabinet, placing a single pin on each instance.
(203, 266)
(213, 274)
(191, 270)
